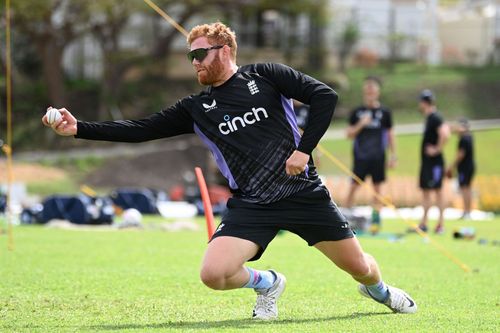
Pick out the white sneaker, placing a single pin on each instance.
(398, 300)
(266, 307)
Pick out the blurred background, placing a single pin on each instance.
(113, 59)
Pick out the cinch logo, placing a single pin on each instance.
(210, 107)
(231, 125)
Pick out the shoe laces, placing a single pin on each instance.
(397, 300)
(264, 303)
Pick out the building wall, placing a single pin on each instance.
(466, 41)
(378, 20)
(468, 32)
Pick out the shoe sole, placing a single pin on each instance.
(363, 292)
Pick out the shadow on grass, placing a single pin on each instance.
(232, 323)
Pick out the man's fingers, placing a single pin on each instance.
(64, 114)
(59, 125)
(290, 170)
(294, 171)
(44, 121)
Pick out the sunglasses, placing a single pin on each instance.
(200, 54)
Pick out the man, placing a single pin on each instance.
(436, 133)
(301, 114)
(246, 119)
(370, 126)
(464, 163)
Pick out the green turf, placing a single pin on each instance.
(408, 150)
(147, 281)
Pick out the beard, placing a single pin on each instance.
(212, 72)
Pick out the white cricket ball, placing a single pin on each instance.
(132, 216)
(53, 115)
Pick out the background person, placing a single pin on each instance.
(370, 127)
(436, 133)
(464, 164)
(245, 117)
(301, 114)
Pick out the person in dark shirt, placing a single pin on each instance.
(436, 133)
(301, 114)
(464, 164)
(370, 126)
(246, 119)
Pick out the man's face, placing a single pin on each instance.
(371, 91)
(422, 106)
(211, 69)
(461, 128)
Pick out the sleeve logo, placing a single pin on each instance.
(252, 86)
(209, 107)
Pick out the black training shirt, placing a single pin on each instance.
(466, 144)
(249, 125)
(371, 142)
(431, 135)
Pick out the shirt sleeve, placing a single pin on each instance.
(321, 98)
(436, 121)
(169, 122)
(353, 117)
(465, 144)
(388, 119)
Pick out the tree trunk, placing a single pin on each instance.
(316, 44)
(53, 73)
(163, 43)
(111, 84)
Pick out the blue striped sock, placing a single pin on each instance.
(259, 279)
(378, 291)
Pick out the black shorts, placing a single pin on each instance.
(375, 168)
(465, 177)
(310, 214)
(431, 174)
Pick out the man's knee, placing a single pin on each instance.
(360, 267)
(215, 277)
(212, 277)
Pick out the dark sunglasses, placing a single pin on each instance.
(200, 54)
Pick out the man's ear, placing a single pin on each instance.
(227, 51)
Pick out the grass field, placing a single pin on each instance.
(147, 281)
(408, 149)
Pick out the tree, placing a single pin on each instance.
(396, 42)
(348, 40)
(51, 25)
(106, 25)
(110, 19)
(316, 47)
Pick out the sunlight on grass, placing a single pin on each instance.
(59, 280)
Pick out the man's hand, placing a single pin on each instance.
(353, 130)
(365, 120)
(431, 150)
(296, 163)
(393, 161)
(66, 126)
(449, 172)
